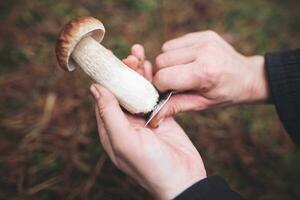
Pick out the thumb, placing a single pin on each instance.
(179, 103)
(113, 118)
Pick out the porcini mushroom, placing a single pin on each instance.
(78, 44)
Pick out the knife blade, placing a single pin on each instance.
(163, 99)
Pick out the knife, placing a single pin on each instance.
(163, 99)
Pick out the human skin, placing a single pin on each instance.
(207, 72)
(162, 160)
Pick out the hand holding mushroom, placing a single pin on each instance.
(162, 160)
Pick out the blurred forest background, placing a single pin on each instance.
(49, 146)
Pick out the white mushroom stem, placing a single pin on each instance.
(134, 92)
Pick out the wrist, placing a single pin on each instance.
(257, 89)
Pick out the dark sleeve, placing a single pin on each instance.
(210, 188)
(283, 71)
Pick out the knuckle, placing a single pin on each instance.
(211, 77)
(211, 34)
(208, 46)
(210, 37)
(208, 71)
(102, 108)
(102, 112)
(197, 72)
(205, 72)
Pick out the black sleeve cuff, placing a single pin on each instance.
(210, 188)
(283, 70)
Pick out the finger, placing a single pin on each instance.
(179, 77)
(188, 40)
(104, 137)
(180, 103)
(140, 71)
(176, 57)
(148, 70)
(132, 62)
(112, 115)
(138, 51)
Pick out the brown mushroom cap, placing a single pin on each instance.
(71, 34)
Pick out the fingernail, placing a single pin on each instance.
(132, 58)
(94, 92)
(125, 59)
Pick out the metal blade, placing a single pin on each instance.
(162, 101)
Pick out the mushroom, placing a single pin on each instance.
(78, 44)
